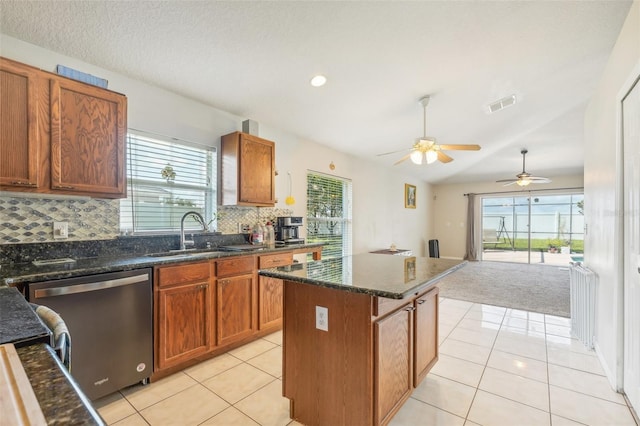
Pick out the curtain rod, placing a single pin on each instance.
(524, 191)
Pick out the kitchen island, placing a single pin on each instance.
(360, 333)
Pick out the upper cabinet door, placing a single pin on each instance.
(19, 151)
(248, 170)
(88, 126)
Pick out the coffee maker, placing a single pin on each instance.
(287, 230)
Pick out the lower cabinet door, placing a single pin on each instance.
(270, 304)
(393, 363)
(235, 308)
(184, 315)
(426, 334)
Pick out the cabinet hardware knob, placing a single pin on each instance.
(64, 187)
(421, 301)
(409, 308)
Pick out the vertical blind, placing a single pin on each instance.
(329, 213)
(166, 179)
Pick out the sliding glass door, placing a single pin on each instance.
(546, 229)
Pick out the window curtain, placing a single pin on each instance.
(472, 247)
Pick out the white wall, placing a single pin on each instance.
(450, 209)
(602, 175)
(380, 218)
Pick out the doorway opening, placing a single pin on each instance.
(541, 228)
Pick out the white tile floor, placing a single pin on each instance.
(497, 367)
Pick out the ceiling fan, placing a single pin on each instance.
(426, 148)
(524, 178)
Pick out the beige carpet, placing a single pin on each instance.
(536, 288)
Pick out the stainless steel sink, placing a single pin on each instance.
(184, 253)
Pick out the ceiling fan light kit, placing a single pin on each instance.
(426, 150)
(524, 179)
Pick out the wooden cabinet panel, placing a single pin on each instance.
(235, 266)
(393, 362)
(182, 273)
(270, 303)
(274, 260)
(426, 334)
(235, 308)
(184, 320)
(88, 126)
(248, 170)
(19, 149)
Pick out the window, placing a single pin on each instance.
(329, 214)
(166, 178)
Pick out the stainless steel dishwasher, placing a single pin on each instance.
(110, 319)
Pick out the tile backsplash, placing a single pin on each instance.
(30, 220)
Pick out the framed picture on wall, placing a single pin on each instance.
(409, 196)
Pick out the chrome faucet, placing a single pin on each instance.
(198, 217)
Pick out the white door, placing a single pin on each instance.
(631, 156)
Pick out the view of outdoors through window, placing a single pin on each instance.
(329, 214)
(540, 226)
(166, 179)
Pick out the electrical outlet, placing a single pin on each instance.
(322, 318)
(244, 228)
(60, 230)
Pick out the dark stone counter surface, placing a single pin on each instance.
(60, 399)
(19, 324)
(394, 277)
(121, 258)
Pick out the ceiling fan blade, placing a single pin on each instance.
(538, 179)
(406, 157)
(444, 158)
(507, 180)
(510, 183)
(461, 147)
(393, 152)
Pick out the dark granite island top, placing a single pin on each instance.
(393, 277)
(19, 323)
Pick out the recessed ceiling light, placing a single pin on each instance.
(318, 80)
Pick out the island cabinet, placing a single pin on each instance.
(359, 361)
(59, 135)
(247, 170)
(184, 313)
(236, 299)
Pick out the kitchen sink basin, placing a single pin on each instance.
(180, 254)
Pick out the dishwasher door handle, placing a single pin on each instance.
(84, 288)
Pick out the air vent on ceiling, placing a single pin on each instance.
(502, 103)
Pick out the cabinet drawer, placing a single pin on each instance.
(273, 260)
(383, 305)
(235, 266)
(181, 274)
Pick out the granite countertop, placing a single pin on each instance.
(394, 277)
(59, 397)
(19, 324)
(19, 273)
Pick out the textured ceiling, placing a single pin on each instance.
(255, 59)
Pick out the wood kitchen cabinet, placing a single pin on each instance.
(59, 135)
(393, 363)
(236, 299)
(184, 313)
(19, 148)
(88, 126)
(363, 368)
(270, 291)
(248, 170)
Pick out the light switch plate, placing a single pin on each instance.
(60, 230)
(322, 318)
